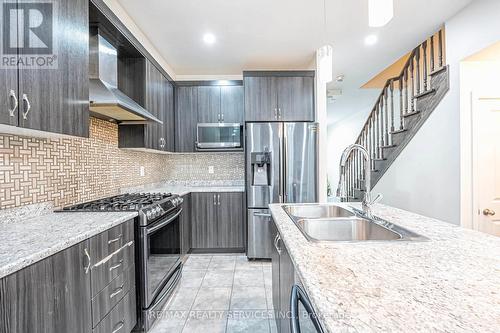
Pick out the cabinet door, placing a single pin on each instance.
(52, 295)
(287, 280)
(203, 221)
(186, 118)
(169, 125)
(232, 104)
(186, 225)
(296, 98)
(260, 99)
(275, 262)
(57, 99)
(208, 104)
(155, 102)
(230, 220)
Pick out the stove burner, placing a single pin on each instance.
(124, 202)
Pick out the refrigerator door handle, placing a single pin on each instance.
(281, 164)
(285, 164)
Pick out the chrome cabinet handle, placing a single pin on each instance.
(276, 240)
(87, 255)
(218, 199)
(28, 106)
(222, 116)
(488, 212)
(12, 94)
(118, 326)
(276, 113)
(116, 266)
(279, 113)
(117, 239)
(261, 215)
(117, 291)
(215, 200)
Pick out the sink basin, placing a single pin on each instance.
(332, 223)
(317, 211)
(345, 229)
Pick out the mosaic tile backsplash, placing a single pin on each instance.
(67, 171)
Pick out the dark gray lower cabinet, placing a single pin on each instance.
(52, 295)
(89, 287)
(283, 275)
(217, 220)
(185, 222)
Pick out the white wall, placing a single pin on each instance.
(425, 178)
(346, 129)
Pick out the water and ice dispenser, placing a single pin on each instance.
(261, 168)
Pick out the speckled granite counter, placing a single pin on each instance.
(450, 283)
(184, 188)
(25, 242)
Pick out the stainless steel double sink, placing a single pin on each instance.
(329, 222)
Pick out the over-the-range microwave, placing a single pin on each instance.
(217, 136)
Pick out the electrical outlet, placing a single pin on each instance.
(142, 172)
(210, 169)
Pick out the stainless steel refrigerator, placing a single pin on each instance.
(281, 167)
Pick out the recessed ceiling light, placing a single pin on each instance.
(209, 38)
(380, 12)
(371, 40)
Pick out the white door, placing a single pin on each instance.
(486, 120)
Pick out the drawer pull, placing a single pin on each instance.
(117, 239)
(117, 291)
(116, 266)
(118, 326)
(109, 257)
(87, 255)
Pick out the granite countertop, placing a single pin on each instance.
(450, 283)
(186, 188)
(27, 241)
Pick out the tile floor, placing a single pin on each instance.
(218, 294)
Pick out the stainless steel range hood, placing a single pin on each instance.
(106, 100)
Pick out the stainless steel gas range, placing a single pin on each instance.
(158, 258)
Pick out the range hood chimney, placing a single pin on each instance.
(106, 100)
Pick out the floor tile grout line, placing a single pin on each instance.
(197, 292)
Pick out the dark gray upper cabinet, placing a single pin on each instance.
(217, 220)
(52, 98)
(143, 82)
(9, 97)
(52, 295)
(232, 105)
(186, 118)
(209, 104)
(295, 98)
(279, 96)
(204, 103)
(260, 99)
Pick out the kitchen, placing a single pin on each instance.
(135, 199)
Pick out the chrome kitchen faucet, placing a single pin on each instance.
(341, 189)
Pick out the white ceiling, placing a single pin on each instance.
(284, 34)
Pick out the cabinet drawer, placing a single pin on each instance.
(107, 298)
(104, 271)
(122, 318)
(110, 241)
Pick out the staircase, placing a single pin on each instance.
(405, 103)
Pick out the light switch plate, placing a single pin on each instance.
(142, 172)
(210, 169)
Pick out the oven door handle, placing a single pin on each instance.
(164, 223)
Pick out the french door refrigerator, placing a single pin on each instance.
(281, 167)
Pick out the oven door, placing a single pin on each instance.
(160, 254)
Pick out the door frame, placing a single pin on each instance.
(471, 91)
